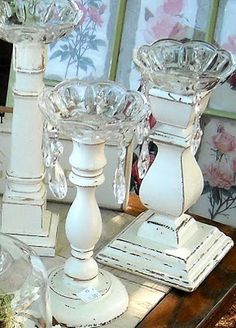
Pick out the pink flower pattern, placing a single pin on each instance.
(96, 14)
(165, 22)
(230, 44)
(173, 7)
(234, 165)
(223, 141)
(220, 176)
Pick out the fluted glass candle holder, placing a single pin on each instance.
(165, 244)
(30, 25)
(90, 113)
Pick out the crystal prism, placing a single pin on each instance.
(57, 181)
(119, 185)
(144, 160)
(196, 138)
(119, 177)
(52, 147)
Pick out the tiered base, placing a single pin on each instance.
(90, 303)
(183, 267)
(43, 242)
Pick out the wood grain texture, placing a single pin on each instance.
(135, 206)
(4, 109)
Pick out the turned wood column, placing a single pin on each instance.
(84, 223)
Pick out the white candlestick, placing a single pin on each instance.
(24, 212)
(80, 291)
(165, 244)
(29, 25)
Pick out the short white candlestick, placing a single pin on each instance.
(165, 244)
(81, 294)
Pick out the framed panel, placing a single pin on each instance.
(217, 159)
(90, 51)
(222, 102)
(150, 20)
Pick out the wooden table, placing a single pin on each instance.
(205, 306)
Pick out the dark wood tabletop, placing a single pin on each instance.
(204, 307)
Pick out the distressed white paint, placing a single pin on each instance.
(80, 274)
(165, 244)
(104, 193)
(24, 212)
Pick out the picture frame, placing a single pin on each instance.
(105, 17)
(151, 20)
(90, 51)
(217, 160)
(223, 33)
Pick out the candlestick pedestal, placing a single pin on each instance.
(83, 295)
(164, 244)
(80, 291)
(25, 194)
(29, 25)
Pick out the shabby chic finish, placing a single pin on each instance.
(29, 25)
(90, 113)
(164, 243)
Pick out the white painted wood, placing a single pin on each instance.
(24, 201)
(104, 301)
(184, 266)
(143, 293)
(104, 193)
(165, 244)
(80, 291)
(176, 189)
(84, 223)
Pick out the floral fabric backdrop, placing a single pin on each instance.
(156, 19)
(86, 52)
(217, 159)
(225, 36)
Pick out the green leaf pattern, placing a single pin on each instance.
(74, 49)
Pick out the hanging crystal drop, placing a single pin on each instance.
(56, 150)
(52, 147)
(144, 157)
(144, 160)
(196, 139)
(119, 185)
(140, 132)
(57, 181)
(119, 177)
(52, 150)
(197, 131)
(46, 146)
(146, 127)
